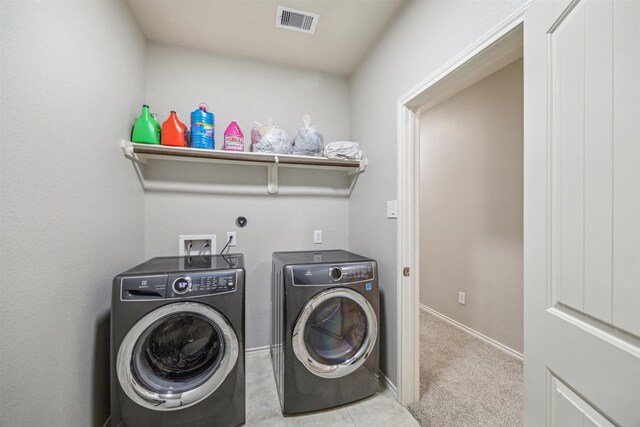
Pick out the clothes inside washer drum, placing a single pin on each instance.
(180, 348)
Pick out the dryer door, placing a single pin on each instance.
(176, 355)
(335, 333)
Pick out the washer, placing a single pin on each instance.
(324, 339)
(177, 343)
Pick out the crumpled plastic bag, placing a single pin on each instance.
(308, 141)
(270, 138)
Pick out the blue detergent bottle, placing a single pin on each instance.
(202, 128)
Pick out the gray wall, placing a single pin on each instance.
(471, 206)
(178, 79)
(424, 36)
(72, 209)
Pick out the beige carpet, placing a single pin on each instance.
(465, 381)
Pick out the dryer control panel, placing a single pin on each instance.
(319, 274)
(172, 286)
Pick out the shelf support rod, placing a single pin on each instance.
(272, 176)
(127, 149)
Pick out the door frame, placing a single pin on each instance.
(496, 49)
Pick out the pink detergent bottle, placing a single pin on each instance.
(233, 138)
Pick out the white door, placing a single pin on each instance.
(582, 213)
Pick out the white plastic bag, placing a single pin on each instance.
(308, 140)
(270, 138)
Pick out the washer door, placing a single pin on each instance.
(176, 355)
(335, 333)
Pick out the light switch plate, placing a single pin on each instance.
(392, 209)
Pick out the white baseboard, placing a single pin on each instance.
(474, 333)
(257, 351)
(389, 385)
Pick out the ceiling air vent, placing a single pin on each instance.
(296, 20)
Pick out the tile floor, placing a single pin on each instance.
(263, 407)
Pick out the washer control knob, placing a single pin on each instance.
(335, 273)
(181, 285)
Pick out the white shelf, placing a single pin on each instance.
(142, 153)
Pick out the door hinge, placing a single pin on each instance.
(405, 272)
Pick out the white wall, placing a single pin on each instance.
(72, 208)
(471, 206)
(424, 37)
(178, 79)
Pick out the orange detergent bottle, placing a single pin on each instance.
(173, 131)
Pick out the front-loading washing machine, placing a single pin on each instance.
(324, 339)
(177, 343)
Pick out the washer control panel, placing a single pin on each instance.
(202, 284)
(327, 274)
(168, 286)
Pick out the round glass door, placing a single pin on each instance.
(176, 356)
(177, 353)
(335, 333)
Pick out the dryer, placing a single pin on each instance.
(177, 343)
(324, 340)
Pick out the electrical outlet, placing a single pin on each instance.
(317, 236)
(231, 235)
(461, 298)
(196, 244)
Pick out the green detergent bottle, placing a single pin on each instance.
(146, 130)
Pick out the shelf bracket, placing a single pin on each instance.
(127, 149)
(272, 177)
(359, 169)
